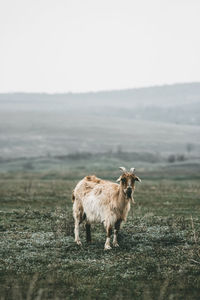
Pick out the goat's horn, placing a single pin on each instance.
(123, 169)
(132, 170)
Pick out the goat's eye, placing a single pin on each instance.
(123, 180)
(132, 180)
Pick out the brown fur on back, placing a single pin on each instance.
(93, 178)
(90, 182)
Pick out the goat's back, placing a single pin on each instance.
(96, 198)
(95, 185)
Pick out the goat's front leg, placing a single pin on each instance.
(116, 230)
(107, 243)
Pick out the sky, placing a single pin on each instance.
(90, 45)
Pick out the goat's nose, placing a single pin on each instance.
(129, 188)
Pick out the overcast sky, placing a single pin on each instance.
(90, 45)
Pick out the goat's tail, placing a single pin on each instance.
(73, 196)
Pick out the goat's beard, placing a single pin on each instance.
(129, 193)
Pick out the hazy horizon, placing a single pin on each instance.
(105, 90)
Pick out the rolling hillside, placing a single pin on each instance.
(158, 119)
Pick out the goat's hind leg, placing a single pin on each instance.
(76, 232)
(78, 217)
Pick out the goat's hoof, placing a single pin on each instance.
(79, 243)
(116, 244)
(107, 247)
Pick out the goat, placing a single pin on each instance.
(97, 200)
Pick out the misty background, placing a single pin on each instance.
(83, 80)
(149, 124)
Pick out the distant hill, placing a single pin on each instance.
(156, 119)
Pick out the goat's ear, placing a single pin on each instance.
(118, 180)
(138, 179)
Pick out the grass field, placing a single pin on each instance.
(158, 258)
